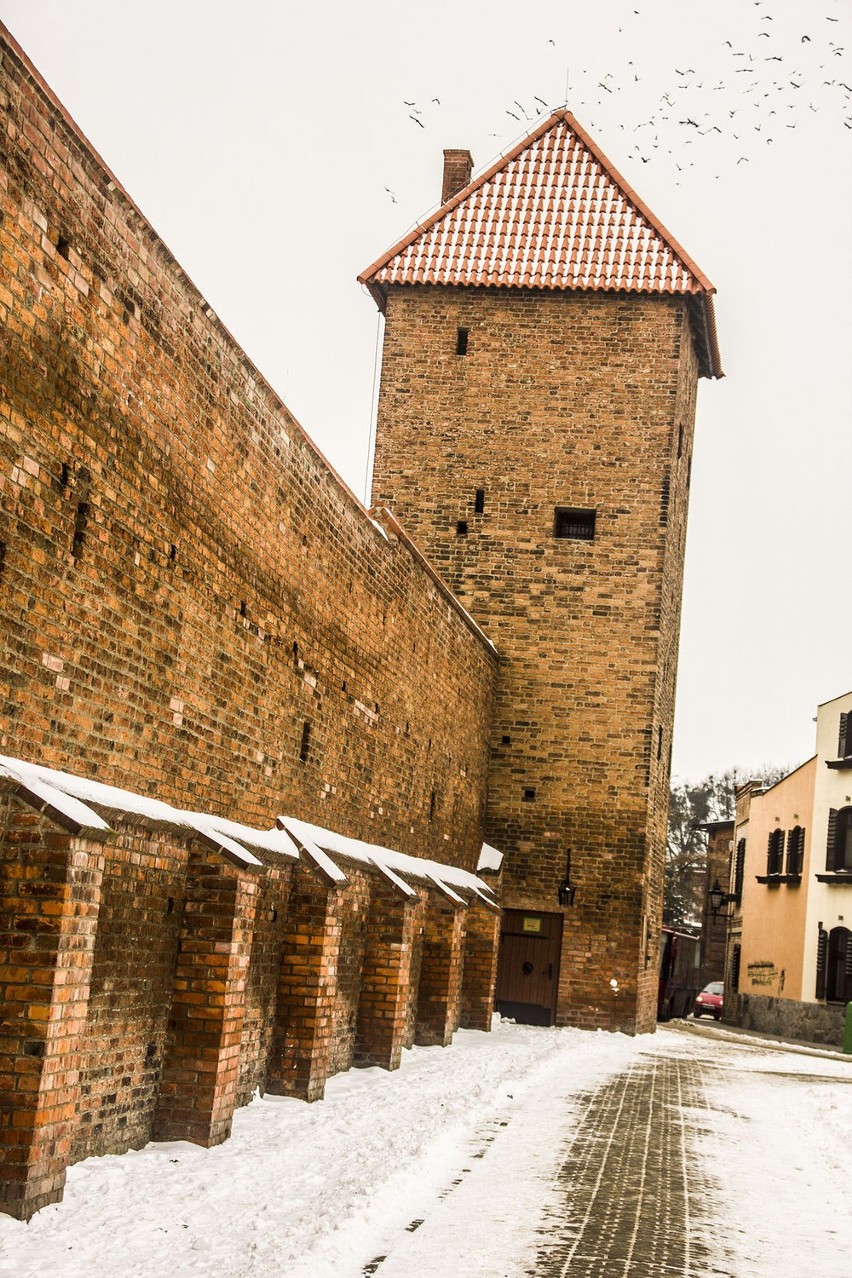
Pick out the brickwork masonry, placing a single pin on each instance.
(192, 603)
(194, 607)
(582, 401)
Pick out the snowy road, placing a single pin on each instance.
(526, 1151)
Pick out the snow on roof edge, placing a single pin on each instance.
(418, 867)
(77, 798)
(489, 858)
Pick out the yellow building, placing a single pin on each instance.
(789, 966)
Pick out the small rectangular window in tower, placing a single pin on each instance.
(461, 528)
(574, 524)
(304, 749)
(479, 501)
(461, 341)
(529, 794)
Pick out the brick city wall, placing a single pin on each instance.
(581, 400)
(193, 606)
(192, 603)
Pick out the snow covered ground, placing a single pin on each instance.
(444, 1167)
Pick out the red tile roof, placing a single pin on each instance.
(553, 213)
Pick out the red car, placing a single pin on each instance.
(710, 1001)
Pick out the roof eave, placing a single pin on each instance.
(702, 314)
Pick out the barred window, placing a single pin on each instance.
(574, 524)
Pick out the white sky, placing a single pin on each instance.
(267, 142)
(466, 1140)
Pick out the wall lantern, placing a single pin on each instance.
(566, 888)
(718, 898)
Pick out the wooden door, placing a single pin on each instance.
(528, 969)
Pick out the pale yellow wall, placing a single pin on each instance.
(829, 904)
(774, 917)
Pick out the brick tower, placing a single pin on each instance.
(544, 335)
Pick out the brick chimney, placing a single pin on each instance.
(457, 169)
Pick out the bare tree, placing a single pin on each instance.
(691, 805)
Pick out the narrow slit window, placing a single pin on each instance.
(432, 805)
(461, 341)
(81, 516)
(81, 519)
(461, 528)
(2, 557)
(63, 247)
(573, 524)
(680, 441)
(479, 501)
(664, 502)
(529, 794)
(304, 748)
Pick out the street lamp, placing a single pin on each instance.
(718, 898)
(566, 888)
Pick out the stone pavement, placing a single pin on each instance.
(621, 1175)
(625, 1185)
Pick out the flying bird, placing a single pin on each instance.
(416, 121)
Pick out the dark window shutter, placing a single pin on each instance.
(847, 970)
(822, 953)
(735, 967)
(770, 853)
(831, 842)
(795, 850)
(739, 870)
(844, 741)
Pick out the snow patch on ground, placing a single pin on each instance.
(445, 1165)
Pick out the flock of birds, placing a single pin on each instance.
(764, 88)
